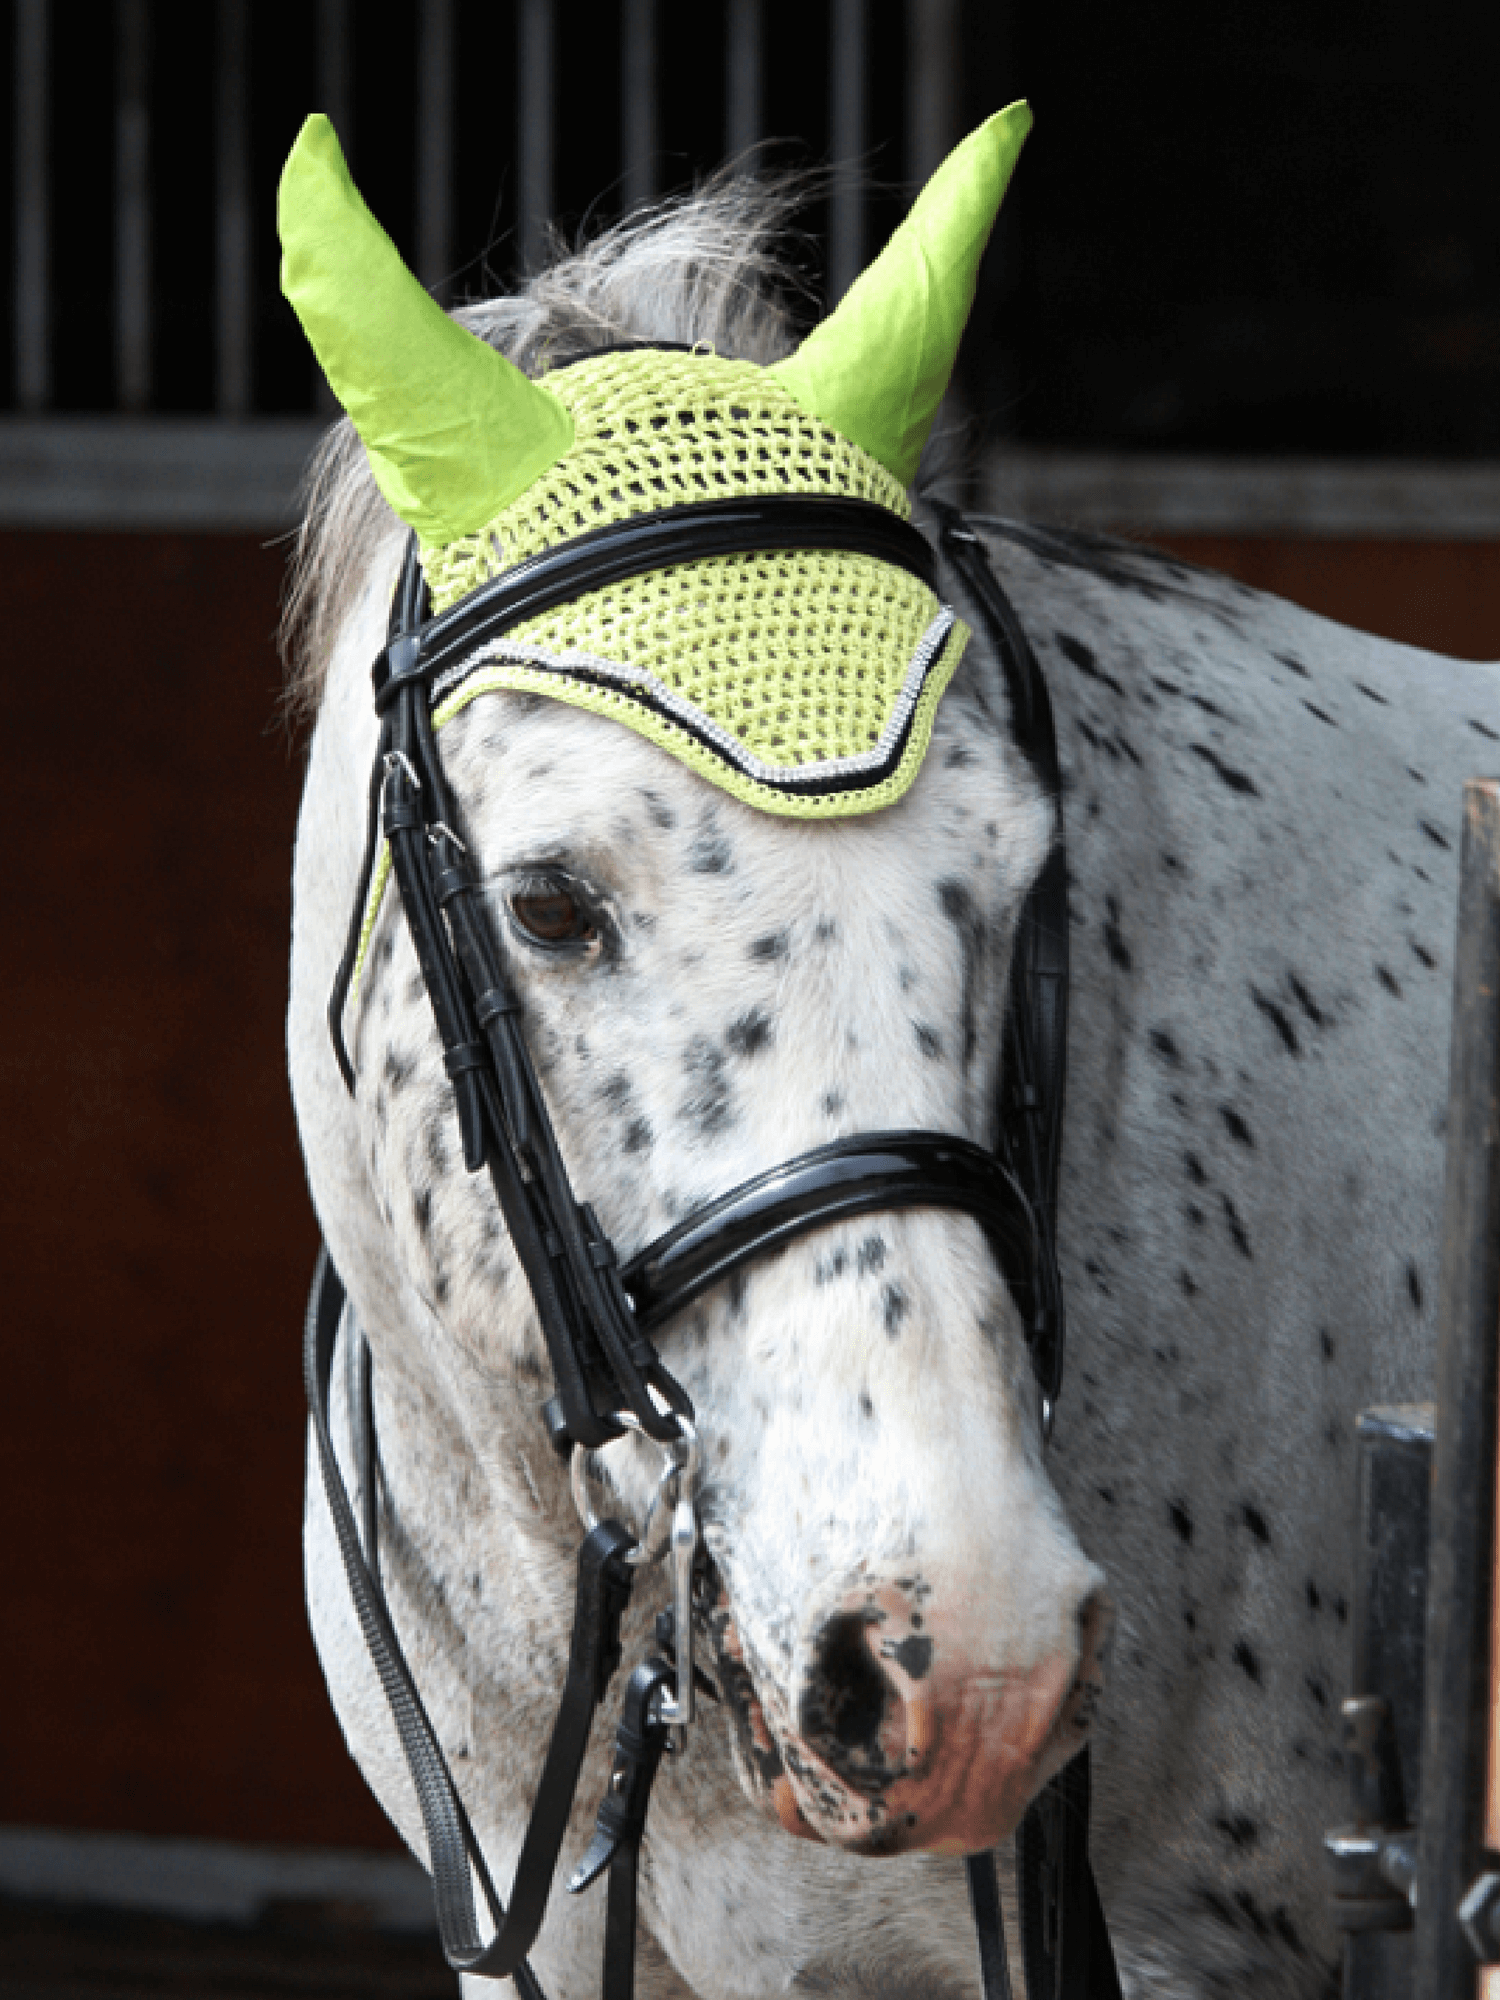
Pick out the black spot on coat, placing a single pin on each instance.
(1237, 781)
(706, 1107)
(895, 1305)
(751, 1033)
(1278, 1020)
(973, 933)
(1237, 1229)
(1114, 942)
(1306, 1002)
(1236, 1127)
(1084, 659)
(871, 1256)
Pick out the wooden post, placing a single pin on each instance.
(1458, 1810)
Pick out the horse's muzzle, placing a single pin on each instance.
(891, 1746)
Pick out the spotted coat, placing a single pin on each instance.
(1262, 815)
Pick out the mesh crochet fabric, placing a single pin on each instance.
(660, 429)
(801, 681)
(804, 682)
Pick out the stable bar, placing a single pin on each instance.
(335, 82)
(232, 327)
(638, 101)
(335, 71)
(132, 210)
(32, 205)
(1456, 1730)
(535, 120)
(848, 33)
(932, 85)
(1383, 1720)
(435, 147)
(744, 87)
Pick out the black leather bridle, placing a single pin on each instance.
(597, 1315)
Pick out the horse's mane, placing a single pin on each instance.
(710, 266)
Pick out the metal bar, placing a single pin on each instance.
(1457, 1721)
(132, 210)
(232, 310)
(846, 65)
(932, 85)
(638, 100)
(535, 117)
(1383, 1756)
(335, 84)
(335, 71)
(744, 84)
(33, 201)
(435, 146)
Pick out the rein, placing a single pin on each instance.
(597, 1315)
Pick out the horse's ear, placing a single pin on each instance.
(876, 369)
(454, 431)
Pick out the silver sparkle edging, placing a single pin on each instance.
(636, 681)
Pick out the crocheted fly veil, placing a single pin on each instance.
(803, 681)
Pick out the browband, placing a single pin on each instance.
(648, 542)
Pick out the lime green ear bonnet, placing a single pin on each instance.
(803, 682)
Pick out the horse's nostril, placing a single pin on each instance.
(844, 1700)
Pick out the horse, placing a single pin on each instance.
(911, 1596)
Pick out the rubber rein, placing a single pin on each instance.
(597, 1313)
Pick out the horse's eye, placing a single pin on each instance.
(550, 914)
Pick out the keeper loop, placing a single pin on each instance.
(402, 816)
(397, 667)
(494, 1002)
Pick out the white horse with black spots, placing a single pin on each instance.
(1262, 817)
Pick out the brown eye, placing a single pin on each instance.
(551, 915)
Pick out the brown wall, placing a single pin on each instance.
(156, 1671)
(155, 1668)
(1442, 595)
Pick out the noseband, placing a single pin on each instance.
(598, 1313)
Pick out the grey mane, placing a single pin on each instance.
(710, 267)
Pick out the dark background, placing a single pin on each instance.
(1267, 228)
(1237, 228)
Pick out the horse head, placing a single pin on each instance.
(724, 956)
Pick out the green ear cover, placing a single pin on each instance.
(454, 431)
(877, 367)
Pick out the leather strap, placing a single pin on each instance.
(989, 1926)
(1064, 1935)
(454, 1856)
(1065, 1939)
(860, 1175)
(1033, 1077)
(664, 540)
